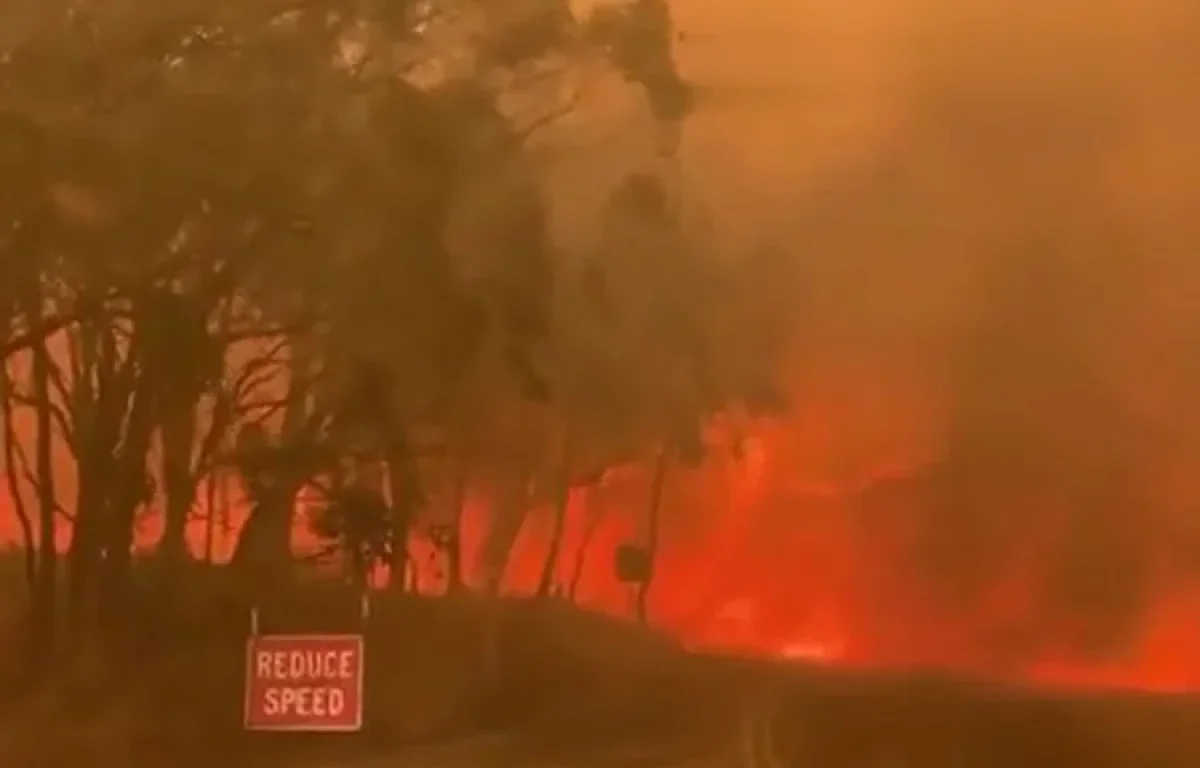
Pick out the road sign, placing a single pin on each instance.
(304, 683)
(631, 563)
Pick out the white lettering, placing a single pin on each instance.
(304, 701)
(287, 701)
(262, 664)
(304, 665)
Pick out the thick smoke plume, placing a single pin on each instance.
(996, 374)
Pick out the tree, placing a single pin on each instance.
(656, 335)
(209, 183)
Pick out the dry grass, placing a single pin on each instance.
(437, 667)
(571, 683)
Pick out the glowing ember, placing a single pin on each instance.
(808, 651)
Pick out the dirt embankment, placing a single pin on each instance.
(437, 671)
(482, 683)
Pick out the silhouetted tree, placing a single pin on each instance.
(210, 186)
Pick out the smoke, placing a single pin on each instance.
(993, 204)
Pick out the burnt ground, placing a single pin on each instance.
(521, 685)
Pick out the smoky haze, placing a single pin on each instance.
(993, 207)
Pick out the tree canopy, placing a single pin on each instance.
(304, 242)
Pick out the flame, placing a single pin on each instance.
(759, 559)
(765, 552)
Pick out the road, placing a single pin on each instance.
(781, 719)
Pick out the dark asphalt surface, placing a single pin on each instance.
(758, 716)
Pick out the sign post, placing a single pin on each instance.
(631, 565)
(304, 683)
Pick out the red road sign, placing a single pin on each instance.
(304, 683)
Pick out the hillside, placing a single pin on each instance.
(547, 685)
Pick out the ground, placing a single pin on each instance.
(467, 682)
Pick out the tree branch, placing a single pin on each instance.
(61, 420)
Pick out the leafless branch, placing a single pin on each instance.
(258, 412)
(219, 424)
(61, 420)
(259, 372)
(22, 461)
(550, 117)
(14, 490)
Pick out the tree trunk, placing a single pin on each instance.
(404, 486)
(84, 555)
(129, 488)
(46, 607)
(210, 520)
(657, 482)
(263, 547)
(562, 502)
(591, 526)
(454, 552)
(507, 518)
(13, 477)
(95, 432)
(178, 440)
